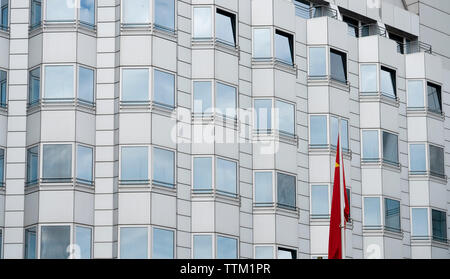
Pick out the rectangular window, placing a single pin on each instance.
(338, 65)
(36, 13)
(263, 115)
(202, 97)
(284, 47)
(368, 78)
(2, 167)
(85, 162)
(319, 201)
(4, 15)
(60, 11)
(226, 100)
(83, 238)
(87, 12)
(263, 252)
(54, 242)
(86, 85)
(165, 14)
(415, 94)
(59, 83)
(3, 92)
(434, 98)
(370, 146)
(286, 118)
(392, 215)
(226, 176)
(334, 123)
(32, 165)
(344, 135)
(164, 94)
(318, 131)
(202, 23)
(226, 248)
(135, 12)
(390, 148)
(226, 27)
(302, 9)
(263, 189)
(317, 62)
(262, 47)
(352, 24)
(163, 244)
(30, 243)
(388, 82)
(134, 165)
(133, 243)
(348, 191)
(372, 217)
(202, 174)
(286, 254)
(417, 159)
(439, 224)
(135, 85)
(203, 247)
(419, 222)
(163, 167)
(286, 191)
(57, 162)
(437, 161)
(34, 86)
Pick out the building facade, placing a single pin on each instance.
(208, 128)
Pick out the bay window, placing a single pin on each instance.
(135, 85)
(226, 27)
(162, 244)
(318, 131)
(286, 191)
(263, 188)
(30, 243)
(133, 243)
(434, 98)
(317, 62)
(320, 205)
(165, 15)
(415, 94)
(32, 165)
(202, 97)
(3, 86)
(59, 83)
(226, 248)
(439, 225)
(54, 242)
(164, 89)
(372, 213)
(263, 252)
(419, 223)
(163, 167)
(60, 11)
(4, 15)
(85, 162)
(437, 167)
(202, 247)
(284, 47)
(226, 100)
(202, 23)
(135, 12)
(417, 159)
(2, 167)
(57, 163)
(388, 84)
(368, 78)
(338, 65)
(34, 90)
(226, 177)
(134, 165)
(262, 47)
(263, 115)
(392, 215)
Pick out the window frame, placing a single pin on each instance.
(128, 183)
(149, 87)
(5, 105)
(438, 88)
(152, 89)
(277, 202)
(45, 180)
(75, 226)
(395, 230)
(41, 81)
(341, 53)
(31, 183)
(149, 238)
(273, 186)
(94, 87)
(393, 74)
(3, 169)
(8, 17)
(429, 228)
(203, 190)
(76, 16)
(271, 41)
(433, 238)
(152, 238)
(160, 27)
(216, 242)
(152, 162)
(294, 252)
(384, 160)
(381, 214)
(291, 39)
(82, 181)
(233, 17)
(320, 216)
(135, 24)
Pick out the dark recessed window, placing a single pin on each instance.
(388, 82)
(226, 27)
(400, 42)
(439, 224)
(338, 64)
(353, 29)
(284, 47)
(4, 14)
(434, 98)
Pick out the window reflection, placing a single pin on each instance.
(34, 86)
(203, 247)
(226, 248)
(135, 11)
(388, 82)
(370, 145)
(318, 130)
(369, 78)
(163, 244)
(165, 14)
(338, 65)
(135, 85)
(86, 85)
(372, 218)
(434, 98)
(417, 158)
(262, 43)
(59, 83)
(202, 23)
(203, 173)
(319, 201)
(392, 214)
(32, 165)
(54, 242)
(263, 188)
(284, 47)
(133, 243)
(419, 222)
(226, 100)
(84, 164)
(415, 94)
(286, 190)
(57, 10)
(87, 12)
(164, 93)
(317, 62)
(226, 176)
(226, 27)
(163, 167)
(134, 165)
(57, 162)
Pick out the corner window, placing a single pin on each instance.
(284, 47)
(32, 165)
(286, 118)
(439, 224)
(163, 244)
(338, 65)
(226, 248)
(437, 166)
(263, 115)
(61, 11)
(226, 27)
(368, 78)
(390, 148)
(417, 159)
(262, 43)
(202, 174)
(319, 201)
(392, 215)
(135, 85)
(4, 15)
(419, 222)
(135, 12)
(2, 167)
(415, 94)
(388, 82)
(165, 14)
(87, 12)
(286, 191)
(317, 62)
(30, 243)
(164, 90)
(370, 146)
(85, 162)
(59, 82)
(3, 92)
(34, 91)
(57, 162)
(434, 98)
(372, 216)
(86, 85)
(226, 176)
(134, 165)
(318, 131)
(263, 252)
(54, 242)
(36, 13)
(203, 247)
(133, 243)
(202, 23)
(83, 239)
(263, 189)
(226, 100)
(286, 254)
(163, 167)
(202, 97)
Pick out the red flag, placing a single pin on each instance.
(335, 237)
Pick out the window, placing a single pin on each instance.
(353, 29)
(262, 43)
(202, 97)
(286, 190)
(317, 62)
(34, 86)
(226, 100)
(57, 162)
(4, 15)
(36, 13)
(434, 98)
(1, 243)
(226, 27)
(419, 222)
(318, 131)
(348, 191)
(344, 132)
(202, 23)
(202, 173)
(30, 243)
(437, 161)
(226, 248)
(32, 165)
(415, 94)
(417, 158)
(165, 14)
(162, 244)
(226, 176)
(87, 12)
(59, 82)
(390, 148)
(3, 82)
(85, 165)
(368, 78)
(135, 85)
(2, 167)
(135, 12)
(203, 247)
(54, 242)
(134, 167)
(372, 217)
(302, 9)
(164, 89)
(83, 239)
(263, 115)
(86, 85)
(392, 215)
(286, 118)
(338, 65)
(439, 223)
(284, 47)
(388, 82)
(57, 10)
(319, 201)
(133, 243)
(287, 254)
(163, 167)
(370, 146)
(263, 188)
(263, 252)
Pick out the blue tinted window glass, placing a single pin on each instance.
(368, 78)
(388, 83)
(57, 161)
(59, 82)
(202, 22)
(334, 127)
(286, 117)
(263, 112)
(415, 94)
(135, 85)
(202, 173)
(392, 214)
(202, 97)
(419, 222)
(263, 252)
(286, 192)
(319, 201)
(390, 147)
(133, 243)
(162, 244)
(203, 247)
(87, 12)
(434, 98)
(3, 82)
(226, 248)
(226, 176)
(164, 89)
(370, 145)
(417, 158)
(225, 27)
(318, 130)
(32, 165)
(372, 216)
(83, 238)
(2, 167)
(84, 164)
(163, 167)
(263, 188)
(86, 85)
(30, 243)
(34, 86)
(134, 165)
(135, 11)
(262, 43)
(317, 62)
(36, 13)
(226, 100)
(165, 14)
(58, 10)
(54, 242)
(283, 47)
(344, 134)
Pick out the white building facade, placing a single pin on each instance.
(208, 128)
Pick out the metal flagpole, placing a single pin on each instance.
(342, 193)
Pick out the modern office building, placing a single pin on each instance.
(208, 128)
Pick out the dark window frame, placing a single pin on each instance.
(343, 56)
(233, 17)
(439, 96)
(393, 74)
(290, 38)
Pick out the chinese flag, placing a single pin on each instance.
(335, 240)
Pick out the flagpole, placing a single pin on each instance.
(342, 197)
